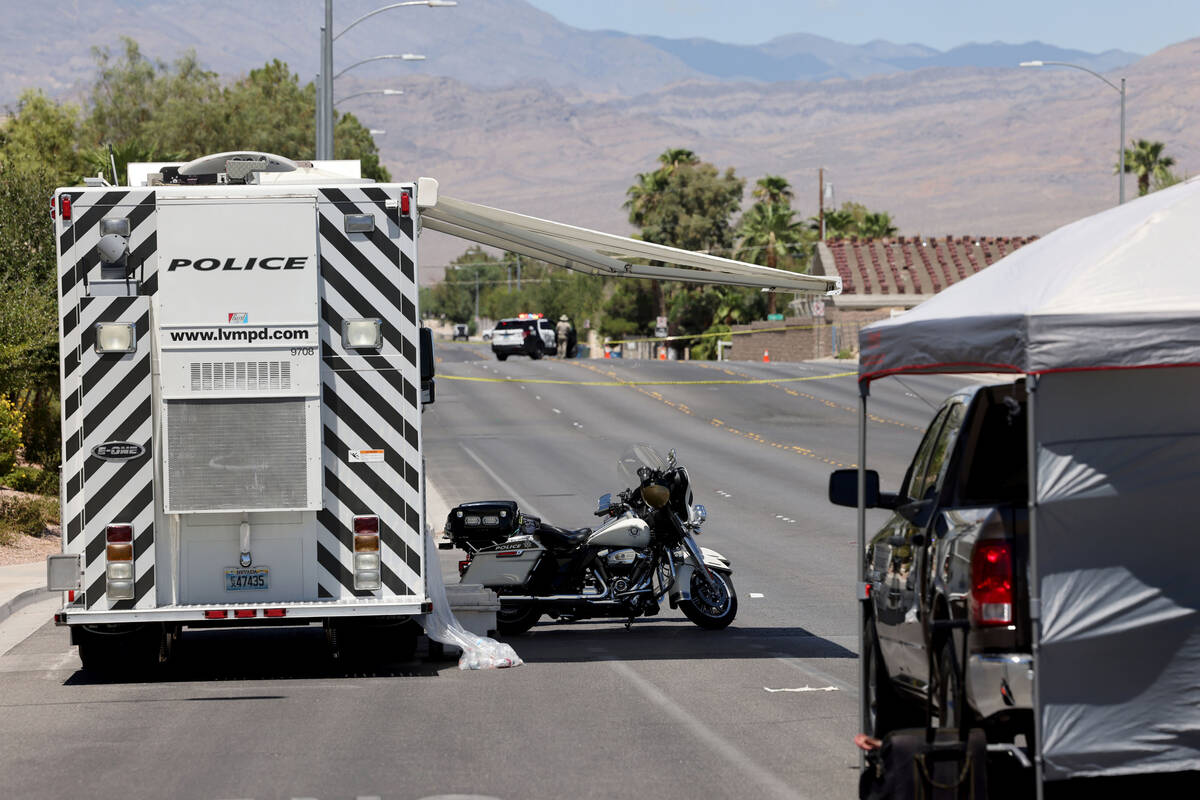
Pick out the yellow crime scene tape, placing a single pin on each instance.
(744, 382)
(678, 337)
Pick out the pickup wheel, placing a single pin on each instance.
(537, 351)
(887, 709)
(501, 356)
(953, 712)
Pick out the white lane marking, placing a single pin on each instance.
(820, 675)
(771, 785)
(804, 689)
(577, 425)
(754, 595)
(556, 411)
(537, 397)
(525, 505)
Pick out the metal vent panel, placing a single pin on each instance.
(236, 454)
(243, 376)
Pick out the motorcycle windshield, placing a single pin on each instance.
(635, 457)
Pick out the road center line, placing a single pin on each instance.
(771, 785)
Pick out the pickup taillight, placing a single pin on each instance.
(992, 583)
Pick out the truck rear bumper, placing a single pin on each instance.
(248, 613)
(1000, 682)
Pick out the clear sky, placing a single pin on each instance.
(1142, 26)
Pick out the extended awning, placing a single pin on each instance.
(597, 253)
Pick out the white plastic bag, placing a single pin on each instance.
(478, 652)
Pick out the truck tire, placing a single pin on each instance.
(951, 713)
(537, 351)
(109, 653)
(886, 708)
(501, 356)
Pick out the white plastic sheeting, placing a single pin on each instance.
(1118, 548)
(478, 652)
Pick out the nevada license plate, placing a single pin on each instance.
(242, 578)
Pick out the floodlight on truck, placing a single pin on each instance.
(115, 337)
(362, 334)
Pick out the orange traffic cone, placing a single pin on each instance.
(662, 354)
(766, 356)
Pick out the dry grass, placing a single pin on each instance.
(26, 514)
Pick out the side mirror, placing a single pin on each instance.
(843, 490)
(604, 503)
(427, 366)
(917, 513)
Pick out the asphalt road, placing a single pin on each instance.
(664, 710)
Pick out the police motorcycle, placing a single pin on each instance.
(643, 551)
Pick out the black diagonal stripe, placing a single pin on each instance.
(143, 585)
(124, 432)
(386, 247)
(71, 401)
(116, 309)
(392, 581)
(380, 198)
(149, 286)
(410, 352)
(132, 510)
(359, 261)
(337, 197)
(409, 310)
(364, 431)
(82, 223)
(142, 543)
(74, 486)
(72, 444)
(334, 567)
(74, 527)
(103, 407)
(393, 378)
(70, 321)
(370, 477)
(324, 593)
(137, 259)
(334, 525)
(96, 590)
(104, 364)
(97, 500)
(359, 304)
(406, 263)
(392, 541)
(413, 559)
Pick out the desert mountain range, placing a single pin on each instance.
(514, 108)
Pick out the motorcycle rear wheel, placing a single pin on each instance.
(515, 620)
(711, 610)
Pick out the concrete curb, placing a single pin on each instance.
(25, 598)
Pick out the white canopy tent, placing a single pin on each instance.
(1103, 317)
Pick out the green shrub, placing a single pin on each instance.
(845, 352)
(11, 423)
(28, 515)
(41, 435)
(32, 479)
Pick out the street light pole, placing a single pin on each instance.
(371, 91)
(1120, 90)
(325, 130)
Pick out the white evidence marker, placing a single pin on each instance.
(804, 689)
(755, 595)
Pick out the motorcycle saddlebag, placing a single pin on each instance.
(483, 523)
(910, 767)
(507, 564)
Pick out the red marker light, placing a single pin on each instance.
(216, 614)
(274, 612)
(64, 202)
(244, 613)
(404, 203)
(53, 208)
(119, 533)
(366, 523)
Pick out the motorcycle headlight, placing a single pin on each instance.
(699, 514)
(655, 495)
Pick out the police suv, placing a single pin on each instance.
(524, 335)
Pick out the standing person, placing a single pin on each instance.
(562, 332)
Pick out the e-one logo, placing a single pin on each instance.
(239, 264)
(117, 451)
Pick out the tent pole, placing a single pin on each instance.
(864, 712)
(1035, 600)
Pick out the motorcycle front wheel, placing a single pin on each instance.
(515, 620)
(711, 608)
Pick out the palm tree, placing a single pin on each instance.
(1146, 160)
(769, 231)
(837, 223)
(677, 157)
(877, 226)
(774, 189)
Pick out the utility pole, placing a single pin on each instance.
(319, 122)
(518, 255)
(327, 84)
(477, 295)
(821, 200)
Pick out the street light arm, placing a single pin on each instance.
(371, 91)
(1072, 66)
(430, 3)
(401, 56)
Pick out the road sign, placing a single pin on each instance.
(775, 317)
(660, 332)
(818, 307)
(660, 326)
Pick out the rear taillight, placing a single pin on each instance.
(992, 584)
(244, 613)
(217, 614)
(274, 612)
(366, 552)
(118, 568)
(64, 206)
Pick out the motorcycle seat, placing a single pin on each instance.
(561, 539)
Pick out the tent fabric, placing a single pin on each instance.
(1118, 457)
(598, 253)
(1119, 289)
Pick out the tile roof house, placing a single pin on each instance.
(902, 271)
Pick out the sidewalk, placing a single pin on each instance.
(20, 585)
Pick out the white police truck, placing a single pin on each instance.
(242, 374)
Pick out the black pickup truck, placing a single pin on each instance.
(955, 547)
